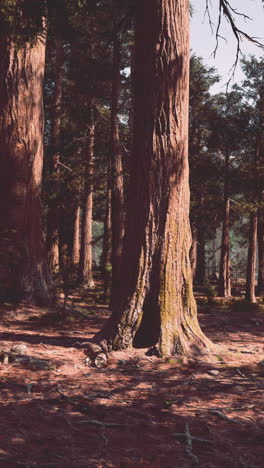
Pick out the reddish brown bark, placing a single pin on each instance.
(76, 237)
(86, 253)
(25, 273)
(106, 254)
(53, 209)
(156, 302)
(117, 192)
(224, 274)
(251, 262)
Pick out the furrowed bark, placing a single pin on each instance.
(25, 273)
(156, 302)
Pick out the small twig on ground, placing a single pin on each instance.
(240, 373)
(221, 415)
(100, 423)
(193, 438)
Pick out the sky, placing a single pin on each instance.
(203, 40)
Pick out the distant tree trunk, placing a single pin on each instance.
(224, 273)
(53, 209)
(251, 262)
(86, 253)
(193, 251)
(214, 267)
(76, 236)
(26, 271)
(260, 253)
(200, 272)
(117, 195)
(156, 302)
(106, 254)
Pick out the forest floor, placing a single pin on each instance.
(139, 411)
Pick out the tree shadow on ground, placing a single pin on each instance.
(129, 415)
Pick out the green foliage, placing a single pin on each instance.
(22, 20)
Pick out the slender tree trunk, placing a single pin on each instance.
(260, 254)
(251, 262)
(200, 273)
(214, 267)
(86, 254)
(25, 273)
(156, 302)
(117, 195)
(106, 254)
(193, 250)
(76, 237)
(224, 274)
(53, 208)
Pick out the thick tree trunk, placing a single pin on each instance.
(224, 273)
(86, 254)
(25, 271)
(156, 302)
(76, 237)
(260, 254)
(53, 209)
(117, 195)
(251, 262)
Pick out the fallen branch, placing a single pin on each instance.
(100, 423)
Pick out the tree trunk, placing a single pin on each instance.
(200, 273)
(156, 302)
(224, 273)
(86, 254)
(106, 254)
(53, 208)
(193, 251)
(117, 195)
(25, 271)
(76, 237)
(251, 262)
(260, 254)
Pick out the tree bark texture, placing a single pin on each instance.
(53, 208)
(117, 195)
(251, 261)
(76, 236)
(86, 254)
(224, 273)
(26, 272)
(156, 302)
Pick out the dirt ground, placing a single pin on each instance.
(140, 411)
